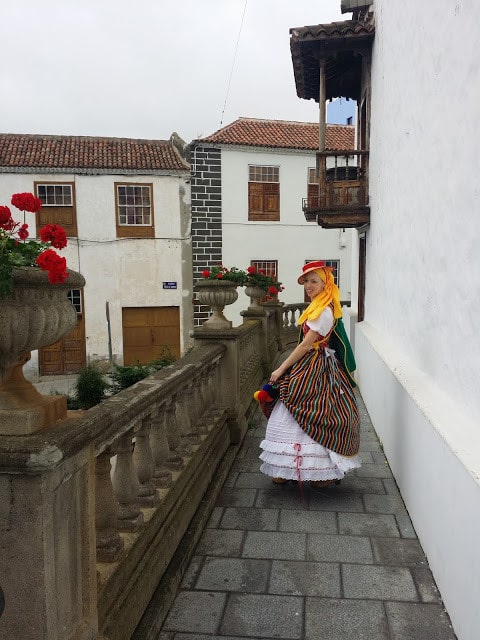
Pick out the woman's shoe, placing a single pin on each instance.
(279, 480)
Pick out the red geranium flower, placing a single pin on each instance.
(59, 274)
(23, 232)
(9, 225)
(55, 235)
(26, 202)
(18, 250)
(206, 273)
(5, 215)
(251, 269)
(55, 265)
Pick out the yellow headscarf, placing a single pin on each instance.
(330, 293)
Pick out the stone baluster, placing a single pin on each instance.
(145, 465)
(162, 477)
(126, 486)
(205, 390)
(208, 390)
(175, 459)
(183, 420)
(198, 405)
(193, 408)
(202, 402)
(109, 543)
(295, 314)
(287, 319)
(211, 383)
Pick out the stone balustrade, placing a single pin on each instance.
(289, 330)
(94, 509)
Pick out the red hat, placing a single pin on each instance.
(312, 266)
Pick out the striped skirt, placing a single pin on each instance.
(313, 432)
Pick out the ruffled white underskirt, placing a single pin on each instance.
(288, 452)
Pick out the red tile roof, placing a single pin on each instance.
(335, 30)
(282, 134)
(25, 151)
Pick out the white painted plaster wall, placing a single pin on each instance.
(291, 241)
(124, 272)
(418, 351)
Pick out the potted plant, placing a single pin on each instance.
(260, 287)
(217, 289)
(34, 312)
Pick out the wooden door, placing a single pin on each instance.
(147, 331)
(67, 355)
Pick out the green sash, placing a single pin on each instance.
(343, 349)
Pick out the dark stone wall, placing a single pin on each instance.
(206, 195)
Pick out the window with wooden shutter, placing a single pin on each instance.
(58, 205)
(313, 189)
(134, 210)
(263, 193)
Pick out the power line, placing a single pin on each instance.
(234, 60)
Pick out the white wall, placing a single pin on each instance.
(425, 188)
(418, 351)
(125, 272)
(291, 241)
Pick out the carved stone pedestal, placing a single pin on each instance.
(36, 314)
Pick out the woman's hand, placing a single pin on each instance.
(299, 351)
(275, 375)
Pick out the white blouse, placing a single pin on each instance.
(323, 323)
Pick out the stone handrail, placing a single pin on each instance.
(94, 508)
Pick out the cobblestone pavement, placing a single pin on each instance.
(290, 563)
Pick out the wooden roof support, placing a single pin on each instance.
(322, 107)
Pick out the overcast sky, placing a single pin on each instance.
(146, 68)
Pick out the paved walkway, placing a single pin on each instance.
(344, 564)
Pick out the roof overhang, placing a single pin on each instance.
(341, 45)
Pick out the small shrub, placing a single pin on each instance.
(90, 387)
(124, 377)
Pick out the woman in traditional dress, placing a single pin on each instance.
(313, 432)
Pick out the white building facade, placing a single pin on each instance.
(125, 208)
(418, 349)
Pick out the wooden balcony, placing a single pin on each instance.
(340, 199)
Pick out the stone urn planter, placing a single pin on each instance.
(255, 294)
(35, 315)
(216, 294)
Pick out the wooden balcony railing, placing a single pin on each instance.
(341, 199)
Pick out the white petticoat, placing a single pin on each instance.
(288, 452)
